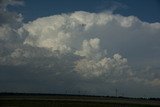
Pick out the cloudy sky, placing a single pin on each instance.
(80, 47)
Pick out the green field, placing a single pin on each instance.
(72, 101)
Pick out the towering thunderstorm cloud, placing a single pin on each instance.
(79, 51)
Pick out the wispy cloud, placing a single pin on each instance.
(111, 6)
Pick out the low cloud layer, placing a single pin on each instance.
(94, 53)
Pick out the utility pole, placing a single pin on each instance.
(116, 92)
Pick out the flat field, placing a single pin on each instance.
(55, 100)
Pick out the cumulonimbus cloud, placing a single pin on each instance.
(86, 45)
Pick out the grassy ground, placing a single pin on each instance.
(45, 103)
(72, 101)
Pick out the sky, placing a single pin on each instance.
(144, 10)
(80, 47)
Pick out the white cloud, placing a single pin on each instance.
(114, 68)
(52, 35)
(88, 35)
(96, 63)
(70, 30)
(74, 46)
(90, 49)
